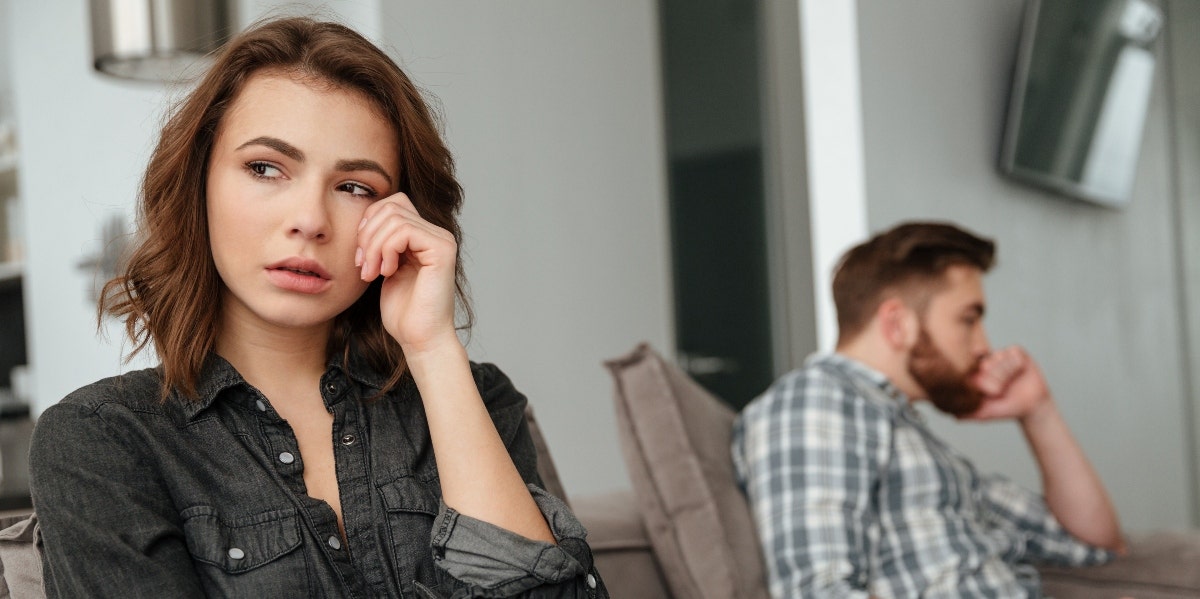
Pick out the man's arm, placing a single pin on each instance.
(1015, 388)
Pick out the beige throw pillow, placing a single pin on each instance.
(20, 558)
(675, 437)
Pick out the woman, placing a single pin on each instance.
(315, 428)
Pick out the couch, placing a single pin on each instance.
(684, 531)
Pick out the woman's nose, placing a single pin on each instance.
(309, 216)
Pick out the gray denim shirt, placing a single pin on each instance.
(205, 497)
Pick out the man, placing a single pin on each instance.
(853, 495)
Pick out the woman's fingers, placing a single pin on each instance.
(392, 232)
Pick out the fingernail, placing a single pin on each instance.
(358, 257)
(362, 223)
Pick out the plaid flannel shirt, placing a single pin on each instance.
(853, 495)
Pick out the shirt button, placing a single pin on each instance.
(335, 543)
(331, 388)
(591, 581)
(236, 553)
(348, 440)
(287, 458)
(262, 407)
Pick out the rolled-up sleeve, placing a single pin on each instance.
(1045, 540)
(484, 560)
(490, 561)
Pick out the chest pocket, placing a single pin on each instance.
(407, 494)
(247, 556)
(412, 504)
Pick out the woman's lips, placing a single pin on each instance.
(299, 275)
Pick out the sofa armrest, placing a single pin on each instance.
(621, 546)
(1161, 565)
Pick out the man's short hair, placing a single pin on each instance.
(908, 260)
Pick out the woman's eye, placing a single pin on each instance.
(263, 170)
(357, 189)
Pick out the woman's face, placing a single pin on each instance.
(292, 169)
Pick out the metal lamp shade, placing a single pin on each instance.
(157, 40)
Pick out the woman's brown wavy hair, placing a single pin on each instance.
(169, 294)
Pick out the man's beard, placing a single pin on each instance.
(949, 390)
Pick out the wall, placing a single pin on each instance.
(6, 39)
(553, 111)
(84, 140)
(1183, 18)
(1091, 292)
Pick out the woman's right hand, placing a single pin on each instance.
(417, 260)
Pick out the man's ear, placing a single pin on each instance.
(898, 323)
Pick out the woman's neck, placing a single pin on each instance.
(275, 359)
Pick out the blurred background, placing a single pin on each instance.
(686, 173)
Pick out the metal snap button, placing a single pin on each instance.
(287, 458)
(235, 553)
(262, 407)
(335, 543)
(348, 440)
(331, 388)
(591, 581)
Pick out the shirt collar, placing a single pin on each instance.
(217, 375)
(860, 371)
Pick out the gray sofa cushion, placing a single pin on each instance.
(675, 438)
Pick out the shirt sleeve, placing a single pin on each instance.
(1045, 540)
(808, 454)
(484, 560)
(107, 524)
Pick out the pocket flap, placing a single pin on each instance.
(407, 494)
(241, 544)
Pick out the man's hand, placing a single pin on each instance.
(1012, 384)
(1013, 387)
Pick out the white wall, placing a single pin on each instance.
(5, 59)
(1092, 292)
(553, 111)
(84, 141)
(1183, 18)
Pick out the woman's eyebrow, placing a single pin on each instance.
(278, 145)
(363, 164)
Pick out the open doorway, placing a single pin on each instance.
(740, 240)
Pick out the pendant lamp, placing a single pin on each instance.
(158, 40)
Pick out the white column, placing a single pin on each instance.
(833, 126)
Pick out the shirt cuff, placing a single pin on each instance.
(494, 562)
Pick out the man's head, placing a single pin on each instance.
(912, 296)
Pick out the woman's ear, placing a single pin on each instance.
(899, 324)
